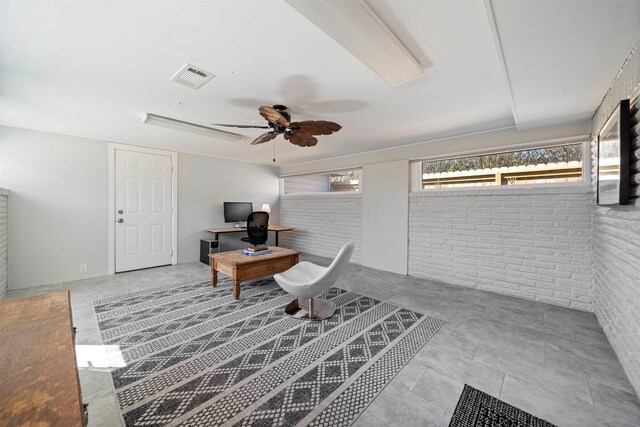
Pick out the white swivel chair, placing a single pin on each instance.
(306, 280)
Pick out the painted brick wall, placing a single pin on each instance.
(616, 239)
(533, 243)
(4, 230)
(323, 222)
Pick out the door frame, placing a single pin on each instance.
(112, 147)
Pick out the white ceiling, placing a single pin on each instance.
(93, 68)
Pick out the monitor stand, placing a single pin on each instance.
(237, 224)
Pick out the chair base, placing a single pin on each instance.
(299, 308)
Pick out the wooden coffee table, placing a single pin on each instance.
(243, 267)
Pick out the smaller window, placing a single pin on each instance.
(326, 182)
(534, 166)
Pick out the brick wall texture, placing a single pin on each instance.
(4, 230)
(324, 222)
(550, 244)
(616, 239)
(533, 243)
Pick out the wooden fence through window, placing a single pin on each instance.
(530, 174)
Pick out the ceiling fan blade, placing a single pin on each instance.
(265, 137)
(314, 127)
(301, 140)
(240, 126)
(272, 115)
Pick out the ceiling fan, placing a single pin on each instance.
(297, 133)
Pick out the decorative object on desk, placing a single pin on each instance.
(256, 253)
(197, 358)
(306, 281)
(478, 409)
(257, 249)
(297, 133)
(266, 208)
(257, 228)
(614, 151)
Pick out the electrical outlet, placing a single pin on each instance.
(83, 268)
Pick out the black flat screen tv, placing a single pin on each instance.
(614, 149)
(237, 211)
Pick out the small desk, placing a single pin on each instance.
(275, 228)
(243, 267)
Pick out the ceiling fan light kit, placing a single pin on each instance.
(168, 122)
(355, 26)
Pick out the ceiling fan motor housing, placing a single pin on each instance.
(284, 111)
(277, 127)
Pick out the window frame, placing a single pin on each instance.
(322, 172)
(415, 164)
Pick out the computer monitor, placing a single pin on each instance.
(237, 211)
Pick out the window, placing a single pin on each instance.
(335, 181)
(345, 180)
(534, 166)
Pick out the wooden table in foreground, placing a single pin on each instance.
(243, 267)
(39, 383)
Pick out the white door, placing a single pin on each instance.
(143, 210)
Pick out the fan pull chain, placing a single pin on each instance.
(274, 150)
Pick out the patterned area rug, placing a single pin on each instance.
(196, 357)
(478, 409)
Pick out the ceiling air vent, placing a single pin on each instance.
(192, 76)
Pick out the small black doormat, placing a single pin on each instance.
(478, 409)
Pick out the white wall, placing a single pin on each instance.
(616, 241)
(323, 221)
(385, 216)
(204, 183)
(445, 147)
(58, 208)
(4, 237)
(533, 243)
(525, 241)
(383, 224)
(59, 201)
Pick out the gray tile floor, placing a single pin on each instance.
(553, 362)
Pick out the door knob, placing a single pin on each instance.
(120, 220)
(120, 211)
